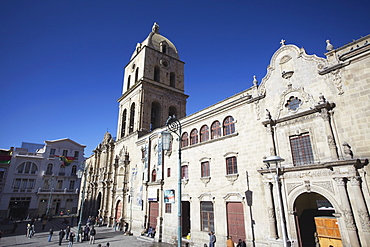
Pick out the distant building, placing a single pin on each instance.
(312, 111)
(41, 179)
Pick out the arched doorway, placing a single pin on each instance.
(315, 221)
(97, 205)
(118, 213)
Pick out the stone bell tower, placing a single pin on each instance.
(153, 86)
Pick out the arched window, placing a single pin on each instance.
(172, 111)
(204, 133)
(185, 140)
(132, 118)
(155, 120)
(229, 127)
(137, 74)
(123, 125)
(194, 137)
(128, 82)
(74, 170)
(215, 130)
(184, 172)
(172, 79)
(156, 73)
(154, 175)
(49, 169)
(62, 170)
(27, 168)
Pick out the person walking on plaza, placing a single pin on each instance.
(229, 242)
(86, 233)
(68, 230)
(61, 236)
(51, 231)
(29, 231)
(71, 238)
(212, 239)
(92, 235)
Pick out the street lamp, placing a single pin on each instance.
(174, 125)
(50, 182)
(277, 160)
(82, 172)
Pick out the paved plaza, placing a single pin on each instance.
(103, 236)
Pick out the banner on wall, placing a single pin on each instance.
(152, 194)
(169, 196)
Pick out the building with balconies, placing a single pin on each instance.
(41, 179)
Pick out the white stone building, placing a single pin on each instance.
(312, 111)
(40, 181)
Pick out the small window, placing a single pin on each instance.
(185, 140)
(65, 153)
(172, 79)
(229, 127)
(76, 154)
(49, 169)
(132, 118)
(60, 185)
(172, 111)
(72, 184)
(168, 172)
(154, 175)
(194, 137)
(293, 103)
(207, 216)
(184, 172)
(301, 150)
(168, 208)
(215, 130)
(231, 165)
(128, 82)
(156, 74)
(52, 151)
(137, 74)
(205, 169)
(123, 125)
(74, 170)
(204, 133)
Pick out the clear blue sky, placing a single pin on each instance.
(62, 61)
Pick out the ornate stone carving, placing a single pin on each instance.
(271, 214)
(232, 178)
(348, 218)
(292, 186)
(355, 181)
(337, 79)
(205, 180)
(340, 181)
(364, 220)
(307, 184)
(326, 185)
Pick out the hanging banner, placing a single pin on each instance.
(146, 159)
(152, 194)
(160, 158)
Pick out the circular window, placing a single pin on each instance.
(164, 63)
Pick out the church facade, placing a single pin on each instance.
(311, 111)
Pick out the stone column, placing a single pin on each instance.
(329, 134)
(270, 211)
(347, 213)
(362, 211)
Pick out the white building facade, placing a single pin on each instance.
(41, 179)
(309, 110)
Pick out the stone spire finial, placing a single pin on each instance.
(329, 47)
(282, 42)
(255, 82)
(155, 28)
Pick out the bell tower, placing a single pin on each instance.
(153, 86)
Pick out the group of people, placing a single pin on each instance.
(89, 234)
(229, 241)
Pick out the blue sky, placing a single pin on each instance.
(62, 62)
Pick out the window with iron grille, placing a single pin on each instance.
(215, 130)
(229, 127)
(185, 140)
(205, 169)
(168, 208)
(207, 216)
(204, 133)
(301, 150)
(231, 165)
(184, 172)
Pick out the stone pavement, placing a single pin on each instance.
(40, 239)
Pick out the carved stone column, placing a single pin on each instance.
(270, 211)
(361, 210)
(329, 134)
(347, 213)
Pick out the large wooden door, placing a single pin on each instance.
(153, 214)
(235, 221)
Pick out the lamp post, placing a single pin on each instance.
(81, 173)
(174, 125)
(277, 160)
(51, 180)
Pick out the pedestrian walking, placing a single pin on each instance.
(241, 243)
(71, 238)
(68, 230)
(86, 233)
(61, 236)
(92, 235)
(212, 239)
(29, 229)
(229, 242)
(51, 231)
